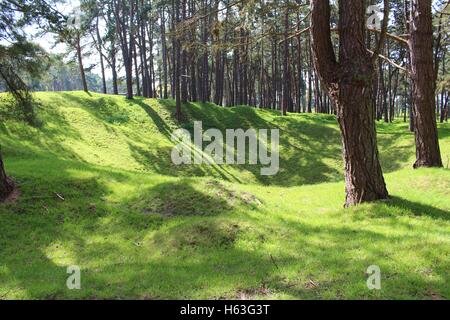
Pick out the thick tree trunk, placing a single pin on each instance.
(363, 175)
(6, 185)
(349, 84)
(422, 73)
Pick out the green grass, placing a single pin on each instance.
(140, 227)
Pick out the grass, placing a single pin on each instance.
(140, 227)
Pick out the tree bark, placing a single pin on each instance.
(136, 70)
(114, 73)
(299, 71)
(286, 84)
(6, 185)
(102, 64)
(177, 66)
(311, 63)
(423, 77)
(349, 84)
(80, 62)
(183, 59)
(164, 53)
(126, 37)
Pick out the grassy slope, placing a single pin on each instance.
(140, 227)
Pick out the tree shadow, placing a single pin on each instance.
(393, 156)
(41, 235)
(184, 198)
(131, 249)
(24, 141)
(417, 209)
(444, 130)
(180, 239)
(338, 256)
(304, 143)
(162, 125)
(179, 198)
(47, 217)
(310, 145)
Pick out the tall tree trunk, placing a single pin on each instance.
(286, 84)
(125, 32)
(114, 73)
(407, 15)
(422, 73)
(205, 64)
(299, 70)
(183, 67)
(6, 185)
(311, 62)
(136, 69)
(274, 73)
(349, 83)
(444, 96)
(100, 51)
(219, 61)
(164, 53)
(177, 66)
(80, 63)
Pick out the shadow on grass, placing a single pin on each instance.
(24, 141)
(131, 249)
(444, 130)
(304, 144)
(183, 198)
(162, 126)
(418, 209)
(310, 145)
(40, 234)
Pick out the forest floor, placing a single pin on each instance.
(99, 190)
